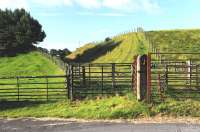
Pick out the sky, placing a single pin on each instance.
(73, 23)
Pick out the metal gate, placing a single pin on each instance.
(95, 79)
(175, 75)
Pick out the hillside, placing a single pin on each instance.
(30, 64)
(121, 49)
(131, 44)
(176, 40)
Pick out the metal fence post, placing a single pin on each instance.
(149, 78)
(18, 88)
(83, 76)
(197, 76)
(102, 80)
(89, 75)
(113, 77)
(47, 85)
(166, 75)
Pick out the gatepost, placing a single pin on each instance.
(141, 86)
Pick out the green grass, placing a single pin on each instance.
(32, 63)
(175, 108)
(116, 107)
(176, 40)
(121, 49)
(165, 40)
(107, 108)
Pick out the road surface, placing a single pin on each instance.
(31, 125)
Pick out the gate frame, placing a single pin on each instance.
(149, 78)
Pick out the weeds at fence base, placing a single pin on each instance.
(117, 107)
(125, 107)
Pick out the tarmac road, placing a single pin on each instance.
(31, 125)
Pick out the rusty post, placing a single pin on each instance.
(159, 86)
(149, 78)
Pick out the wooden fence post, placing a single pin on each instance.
(70, 81)
(138, 79)
(141, 77)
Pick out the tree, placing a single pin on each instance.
(107, 39)
(19, 31)
(60, 53)
(53, 52)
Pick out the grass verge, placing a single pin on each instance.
(106, 108)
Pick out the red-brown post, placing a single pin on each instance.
(149, 78)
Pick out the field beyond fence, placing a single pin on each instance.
(33, 88)
(81, 81)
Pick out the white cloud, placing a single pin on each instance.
(109, 14)
(132, 5)
(121, 5)
(67, 2)
(13, 4)
(53, 2)
(149, 6)
(112, 14)
(89, 3)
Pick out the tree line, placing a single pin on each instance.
(19, 31)
(59, 53)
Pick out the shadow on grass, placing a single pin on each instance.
(6, 105)
(178, 95)
(94, 53)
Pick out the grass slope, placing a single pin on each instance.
(126, 50)
(32, 63)
(121, 49)
(129, 46)
(176, 40)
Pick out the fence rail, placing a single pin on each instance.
(40, 88)
(175, 77)
(81, 81)
(91, 80)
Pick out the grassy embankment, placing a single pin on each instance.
(30, 64)
(119, 107)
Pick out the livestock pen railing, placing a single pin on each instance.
(81, 81)
(33, 88)
(91, 80)
(175, 75)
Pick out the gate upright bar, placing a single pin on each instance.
(149, 78)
